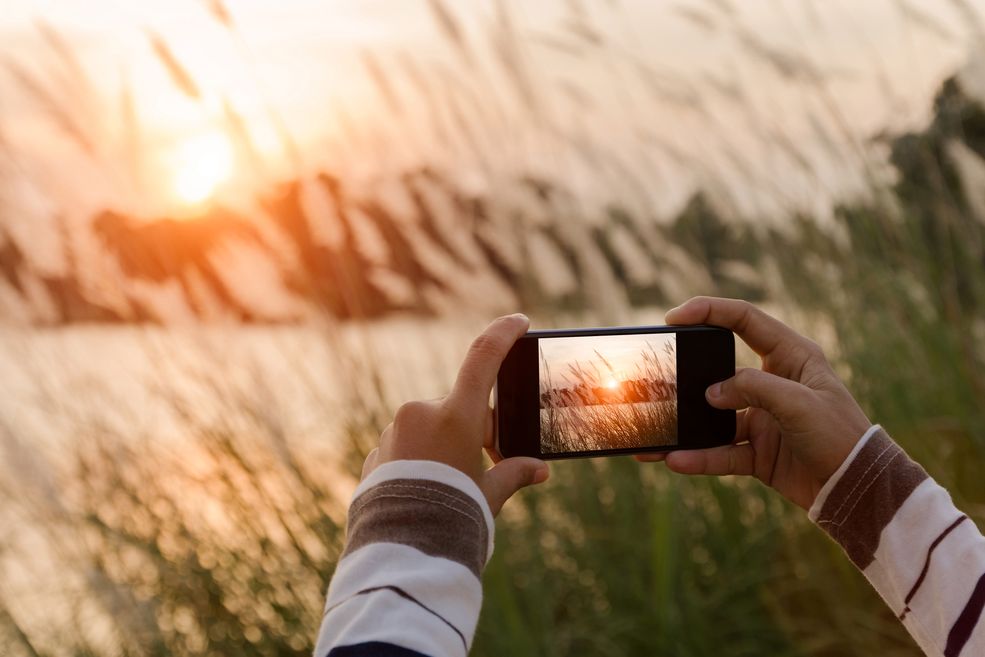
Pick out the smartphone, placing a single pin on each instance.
(628, 390)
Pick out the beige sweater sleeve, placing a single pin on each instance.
(924, 556)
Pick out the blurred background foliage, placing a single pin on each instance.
(222, 541)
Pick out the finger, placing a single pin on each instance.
(741, 426)
(758, 389)
(385, 436)
(489, 439)
(478, 372)
(652, 457)
(510, 475)
(725, 460)
(370, 463)
(493, 454)
(760, 331)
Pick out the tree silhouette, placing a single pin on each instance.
(166, 249)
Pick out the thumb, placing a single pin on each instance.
(781, 397)
(510, 475)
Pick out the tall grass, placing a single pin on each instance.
(222, 543)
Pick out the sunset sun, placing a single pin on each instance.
(202, 163)
(612, 384)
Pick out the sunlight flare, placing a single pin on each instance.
(202, 163)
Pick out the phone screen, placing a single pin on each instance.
(591, 392)
(608, 392)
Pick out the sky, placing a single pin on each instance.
(298, 68)
(623, 353)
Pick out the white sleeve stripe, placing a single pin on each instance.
(385, 617)
(926, 564)
(446, 586)
(406, 596)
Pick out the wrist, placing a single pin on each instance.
(828, 484)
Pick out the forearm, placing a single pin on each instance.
(408, 582)
(924, 556)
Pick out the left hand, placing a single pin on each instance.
(454, 429)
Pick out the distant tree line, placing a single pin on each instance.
(631, 391)
(480, 233)
(469, 232)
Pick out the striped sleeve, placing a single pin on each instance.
(901, 529)
(408, 582)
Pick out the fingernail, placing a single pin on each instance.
(541, 475)
(674, 310)
(714, 391)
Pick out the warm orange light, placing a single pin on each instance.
(611, 384)
(202, 163)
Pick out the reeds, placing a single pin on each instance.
(223, 543)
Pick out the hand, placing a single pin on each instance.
(454, 429)
(798, 422)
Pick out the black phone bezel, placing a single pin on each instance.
(705, 355)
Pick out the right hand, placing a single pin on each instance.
(797, 422)
(454, 429)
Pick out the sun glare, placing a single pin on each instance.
(611, 384)
(202, 163)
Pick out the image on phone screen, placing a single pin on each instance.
(567, 393)
(608, 392)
